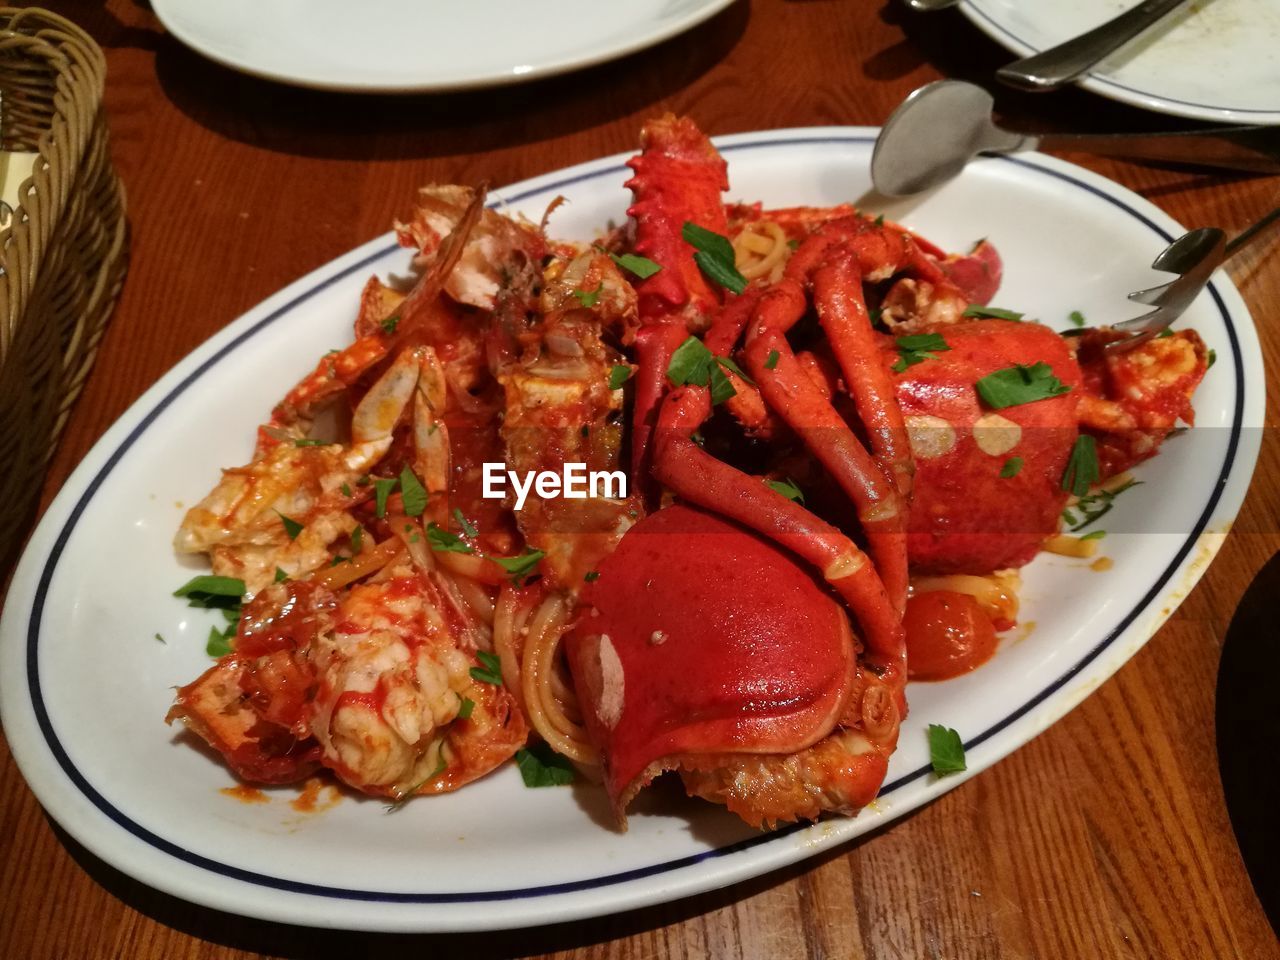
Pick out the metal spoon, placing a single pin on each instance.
(941, 126)
(1058, 66)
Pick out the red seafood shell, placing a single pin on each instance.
(966, 517)
(700, 639)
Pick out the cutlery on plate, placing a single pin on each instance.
(1194, 256)
(1058, 66)
(941, 126)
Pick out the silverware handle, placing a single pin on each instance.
(1255, 149)
(1059, 65)
(1245, 236)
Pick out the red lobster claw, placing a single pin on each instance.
(703, 640)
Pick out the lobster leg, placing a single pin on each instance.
(788, 389)
(837, 292)
(654, 346)
(700, 478)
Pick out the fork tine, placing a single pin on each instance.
(1151, 295)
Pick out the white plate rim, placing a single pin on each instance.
(548, 68)
(68, 798)
(1106, 86)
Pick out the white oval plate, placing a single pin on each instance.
(84, 683)
(402, 46)
(1217, 60)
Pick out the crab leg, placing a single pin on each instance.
(700, 478)
(789, 390)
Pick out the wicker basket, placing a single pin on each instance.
(64, 252)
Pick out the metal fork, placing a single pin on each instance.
(1194, 256)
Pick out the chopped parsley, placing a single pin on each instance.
(465, 708)
(1076, 318)
(357, 538)
(1094, 535)
(714, 256)
(736, 370)
(464, 523)
(540, 766)
(693, 363)
(639, 266)
(1012, 467)
(219, 643)
(879, 221)
(1020, 384)
(390, 323)
(382, 488)
(787, 488)
(990, 313)
(591, 576)
(408, 793)
(281, 576)
(1212, 358)
(772, 360)
(588, 298)
(346, 490)
(291, 527)
(618, 375)
(946, 750)
(445, 542)
(490, 670)
(212, 592)
(307, 442)
(161, 639)
(1082, 466)
(412, 493)
(1093, 506)
(522, 565)
(917, 349)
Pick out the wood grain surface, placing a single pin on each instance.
(1105, 837)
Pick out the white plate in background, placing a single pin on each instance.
(1216, 60)
(403, 46)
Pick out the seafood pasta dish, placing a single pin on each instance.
(699, 498)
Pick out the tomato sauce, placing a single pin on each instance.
(245, 794)
(948, 635)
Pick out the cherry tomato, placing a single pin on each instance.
(948, 634)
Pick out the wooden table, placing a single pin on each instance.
(1106, 836)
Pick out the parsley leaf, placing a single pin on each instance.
(736, 370)
(465, 708)
(714, 256)
(1094, 506)
(390, 323)
(346, 490)
(1212, 358)
(382, 488)
(591, 576)
(693, 363)
(412, 493)
(161, 639)
(211, 591)
(291, 527)
(588, 298)
(879, 221)
(721, 387)
(491, 669)
(946, 751)
(917, 349)
(1094, 535)
(772, 360)
(521, 565)
(618, 375)
(443, 541)
(1020, 384)
(993, 313)
(1076, 318)
(787, 488)
(1012, 467)
(1082, 466)
(464, 523)
(639, 266)
(540, 766)
(219, 644)
(281, 576)
(306, 442)
(357, 538)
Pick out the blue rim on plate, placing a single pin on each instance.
(227, 870)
